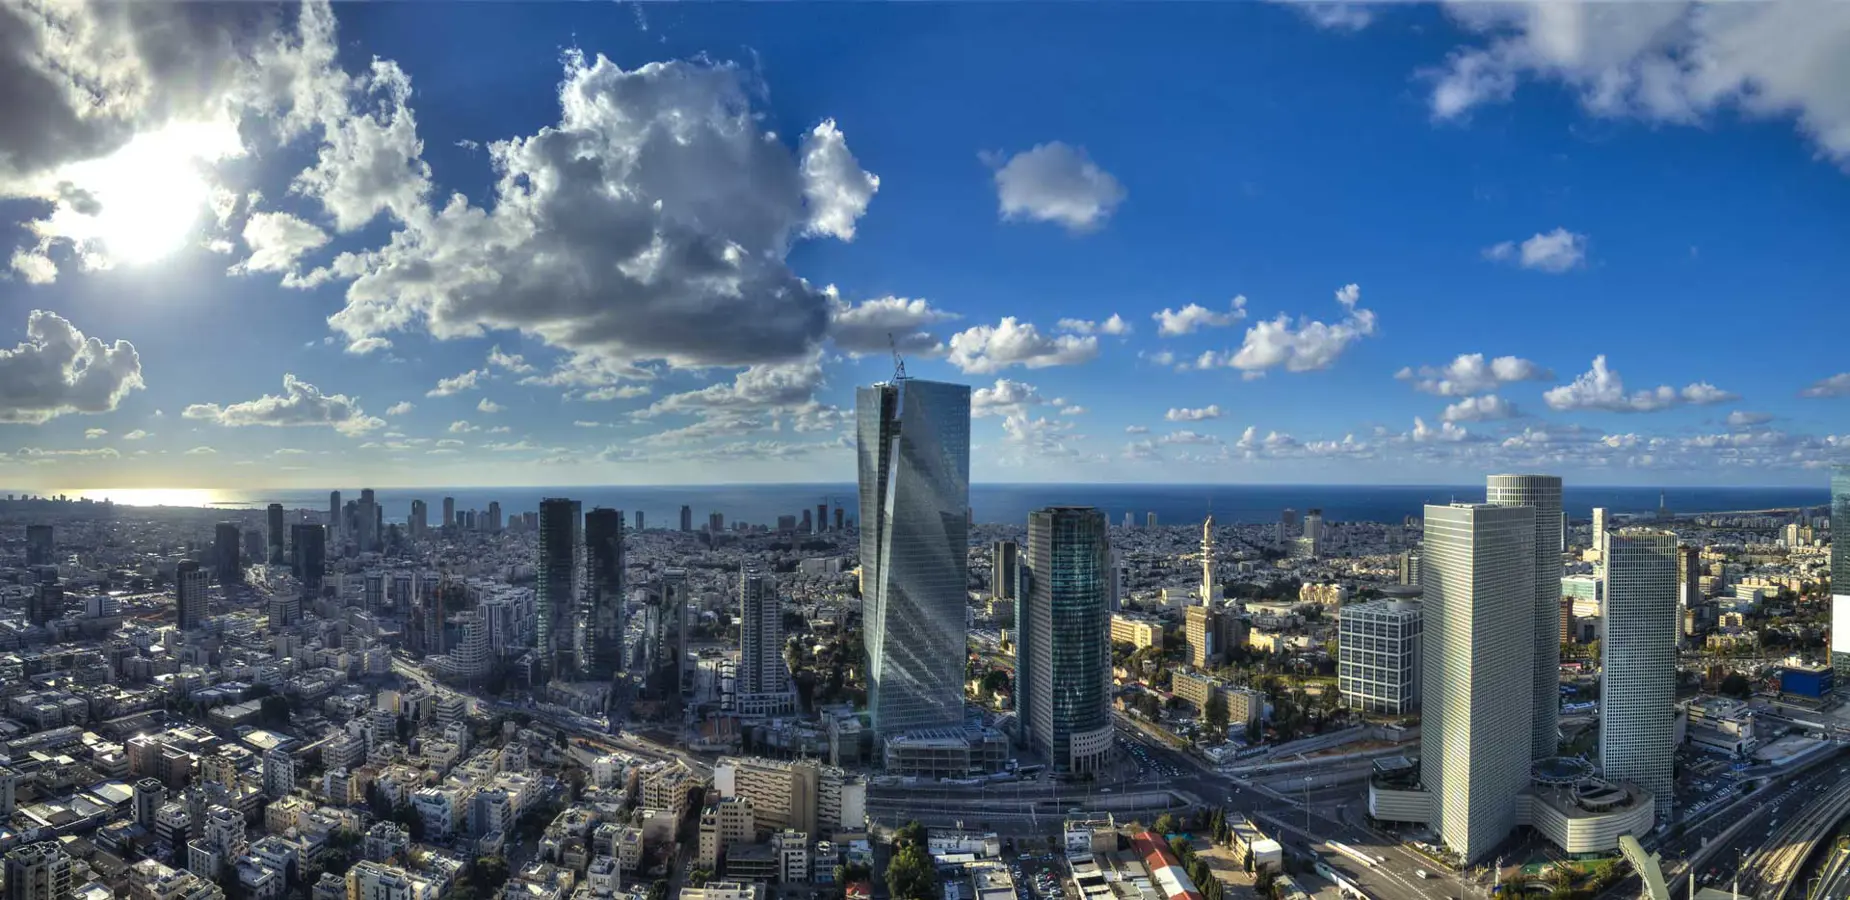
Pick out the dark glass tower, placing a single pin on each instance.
(561, 531)
(308, 555)
(225, 538)
(1066, 641)
(604, 558)
(274, 518)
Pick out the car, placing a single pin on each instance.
(1421, 873)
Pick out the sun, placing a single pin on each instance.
(143, 202)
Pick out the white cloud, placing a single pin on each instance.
(1113, 326)
(1676, 63)
(1160, 357)
(277, 240)
(91, 434)
(1304, 346)
(1479, 409)
(1191, 317)
(1055, 182)
(367, 345)
(135, 435)
(400, 408)
(1071, 409)
(467, 381)
(1741, 418)
(835, 188)
(880, 324)
(1448, 432)
(1005, 398)
(1136, 429)
(586, 423)
(299, 404)
(370, 161)
(462, 426)
(489, 406)
(1557, 251)
(40, 455)
(1835, 386)
(451, 442)
(1336, 16)
(1189, 437)
(513, 362)
(627, 392)
(1211, 411)
(58, 370)
(991, 348)
(1601, 388)
(1471, 374)
(1041, 437)
(201, 451)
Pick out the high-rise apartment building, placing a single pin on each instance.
(1378, 652)
(1638, 659)
(639, 521)
(278, 773)
(1478, 575)
(1543, 492)
(308, 556)
(39, 545)
(334, 522)
(189, 594)
(1005, 571)
(1840, 576)
(1408, 566)
(1201, 628)
(225, 559)
(561, 530)
(716, 522)
(604, 582)
(687, 518)
(1602, 522)
(1149, 519)
(420, 519)
(273, 517)
(762, 687)
(449, 514)
(1067, 639)
(914, 461)
(1689, 575)
(368, 513)
(47, 601)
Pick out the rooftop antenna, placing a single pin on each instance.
(899, 362)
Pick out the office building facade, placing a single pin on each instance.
(1638, 657)
(1005, 571)
(761, 686)
(1379, 656)
(1840, 576)
(560, 542)
(226, 561)
(308, 556)
(604, 581)
(189, 594)
(273, 520)
(1543, 493)
(1478, 576)
(913, 450)
(40, 541)
(1067, 639)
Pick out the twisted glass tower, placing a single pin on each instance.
(914, 452)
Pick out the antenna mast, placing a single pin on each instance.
(899, 362)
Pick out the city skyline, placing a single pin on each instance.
(1306, 283)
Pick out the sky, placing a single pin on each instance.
(448, 244)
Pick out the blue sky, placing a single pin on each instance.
(405, 244)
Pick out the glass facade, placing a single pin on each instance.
(560, 550)
(604, 560)
(914, 459)
(1378, 650)
(1067, 638)
(1638, 659)
(1840, 576)
(1543, 492)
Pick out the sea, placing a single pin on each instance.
(995, 503)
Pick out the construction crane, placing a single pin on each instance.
(899, 362)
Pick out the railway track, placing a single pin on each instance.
(1771, 871)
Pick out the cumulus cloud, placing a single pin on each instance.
(91, 434)
(277, 240)
(1448, 432)
(135, 435)
(513, 362)
(1601, 388)
(1189, 437)
(1835, 386)
(1336, 16)
(1557, 251)
(1211, 411)
(462, 426)
(650, 222)
(1471, 373)
(489, 406)
(991, 348)
(1043, 438)
(1136, 429)
(1056, 182)
(1479, 409)
(1741, 418)
(456, 384)
(300, 403)
(58, 370)
(367, 345)
(1172, 322)
(1113, 326)
(1675, 63)
(400, 408)
(1005, 398)
(201, 451)
(883, 323)
(1303, 346)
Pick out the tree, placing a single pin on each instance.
(274, 710)
(996, 681)
(910, 875)
(408, 819)
(1165, 824)
(1736, 685)
(489, 874)
(912, 834)
(1215, 715)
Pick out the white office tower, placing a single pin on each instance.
(1378, 656)
(1840, 577)
(761, 685)
(1639, 660)
(1478, 574)
(1210, 589)
(1601, 522)
(1543, 492)
(914, 455)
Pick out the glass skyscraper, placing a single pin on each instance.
(1840, 576)
(1544, 493)
(914, 455)
(1638, 659)
(1066, 639)
(560, 550)
(604, 561)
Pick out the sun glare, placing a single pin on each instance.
(191, 497)
(148, 196)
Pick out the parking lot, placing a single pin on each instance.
(1039, 877)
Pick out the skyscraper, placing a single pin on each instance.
(604, 559)
(39, 544)
(333, 522)
(687, 518)
(189, 594)
(274, 519)
(368, 513)
(308, 555)
(557, 602)
(494, 517)
(420, 519)
(838, 518)
(639, 520)
(225, 538)
(822, 517)
(913, 447)
(1478, 574)
(449, 514)
(1638, 657)
(762, 685)
(1066, 639)
(1149, 519)
(1840, 577)
(1601, 522)
(47, 601)
(1544, 493)
(1005, 576)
